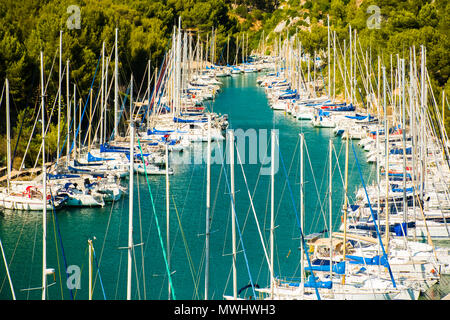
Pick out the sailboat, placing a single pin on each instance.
(27, 196)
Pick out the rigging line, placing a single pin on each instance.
(81, 271)
(85, 105)
(3, 91)
(136, 273)
(117, 245)
(46, 131)
(298, 221)
(142, 240)
(104, 239)
(98, 272)
(323, 180)
(14, 251)
(253, 194)
(237, 225)
(7, 272)
(285, 183)
(252, 206)
(373, 218)
(57, 257)
(10, 262)
(60, 241)
(118, 274)
(157, 223)
(20, 131)
(186, 247)
(314, 179)
(121, 112)
(32, 258)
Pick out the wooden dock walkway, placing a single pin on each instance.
(16, 173)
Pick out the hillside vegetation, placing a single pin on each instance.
(145, 28)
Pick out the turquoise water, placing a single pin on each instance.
(247, 108)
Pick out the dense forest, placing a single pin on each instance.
(145, 27)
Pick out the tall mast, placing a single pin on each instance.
(228, 46)
(233, 212)
(351, 64)
(412, 120)
(302, 213)
(131, 194)
(386, 169)
(334, 66)
(405, 202)
(208, 203)
(102, 95)
(79, 133)
(90, 268)
(74, 151)
(422, 112)
(331, 207)
(106, 99)
(355, 56)
(68, 112)
(116, 87)
(149, 79)
(8, 137)
(329, 58)
(44, 191)
(345, 72)
(59, 97)
(272, 210)
(169, 287)
(347, 136)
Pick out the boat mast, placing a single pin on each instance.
(422, 119)
(169, 288)
(405, 202)
(7, 271)
(59, 97)
(44, 191)
(334, 66)
(106, 99)
(345, 72)
(329, 58)
(149, 80)
(272, 210)
(74, 121)
(347, 136)
(8, 138)
(351, 64)
(116, 87)
(208, 203)
(90, 268)
(131, 194)
(68, 112)
(233, 211)
(331, 206)
(228, 47)
(102, 95)
(302, 214)
(386, 169)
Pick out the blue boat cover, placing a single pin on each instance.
(91, 158)
(175, 119)
(338, 268)
(375, 261)
(313, 283)
(62, 176)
